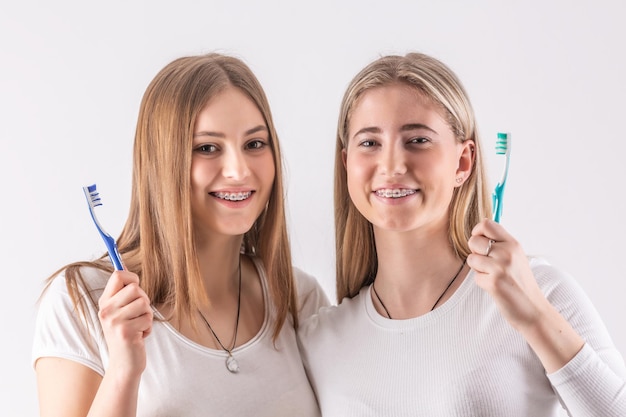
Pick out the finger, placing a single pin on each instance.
(136, 308)
(130, 320)
(117, 281)
(489, 246)
(480, 229)
(128, 294)
(132, 330)
(123, 304)
(147, 331)
(114, 284)
(481, 265)
(490, 229)
(482, 245)
(136, 318)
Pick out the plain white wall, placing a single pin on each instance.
(73, 73)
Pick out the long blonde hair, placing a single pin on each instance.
(470, 202)
(157, 241)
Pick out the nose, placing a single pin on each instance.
(392, 161)
(235, 165)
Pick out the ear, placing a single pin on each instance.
(466, 161)
(344, 157)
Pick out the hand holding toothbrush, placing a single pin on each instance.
(126, 317)
(124, 308)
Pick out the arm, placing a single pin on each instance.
(65, 387)
(571, 341)
(68, 388)
(506, 275)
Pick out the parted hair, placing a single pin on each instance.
(356, 258)
(157, 241)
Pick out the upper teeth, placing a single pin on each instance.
(233, 196)
(394, 193)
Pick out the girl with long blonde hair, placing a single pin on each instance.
(202, 319)
(441, 312)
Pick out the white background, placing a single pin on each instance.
(72, 75)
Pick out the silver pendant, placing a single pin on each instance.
(232, 365)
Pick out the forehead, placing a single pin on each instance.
(230, 96)
(392, 104)
(230, 108)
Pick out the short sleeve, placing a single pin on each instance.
(311, 295)
(62, 332)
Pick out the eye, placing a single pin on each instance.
(367, 143)
(206, 148)
(256, 144)
(418, 140)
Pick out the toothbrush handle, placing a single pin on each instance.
(113, 252)
(497, 202)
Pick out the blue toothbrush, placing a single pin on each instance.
(503, 147)
(93, 200)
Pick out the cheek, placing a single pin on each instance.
(201, 175)
(358, 169)
(444, 169)
(265, 169)
(195, 176)
(359, 174)
(270, 169)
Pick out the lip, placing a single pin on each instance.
(233, 197)
(394, 193)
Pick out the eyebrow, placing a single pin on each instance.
(404, 128)
(256, 129)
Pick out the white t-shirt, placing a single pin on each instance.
(183, 378)
(462, 359)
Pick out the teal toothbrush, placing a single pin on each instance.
(503, 147)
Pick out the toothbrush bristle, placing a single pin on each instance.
(502, 143)
(93, 197)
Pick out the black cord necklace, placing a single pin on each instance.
(231, 363)
(436, 302)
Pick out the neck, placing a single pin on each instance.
(413, 272)
(219, 266)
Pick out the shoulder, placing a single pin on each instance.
(305, 282)
(72, 291)
(555, 282)
(568, 297)
(311, 295)
(320, 335)
(333, 318)
(81, 282)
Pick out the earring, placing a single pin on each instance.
(459, 180)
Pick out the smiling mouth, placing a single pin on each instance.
(232, 196)
(394, 192)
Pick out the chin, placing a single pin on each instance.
(238, 231)
(394, 224)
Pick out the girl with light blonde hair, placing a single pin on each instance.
(441, 312)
